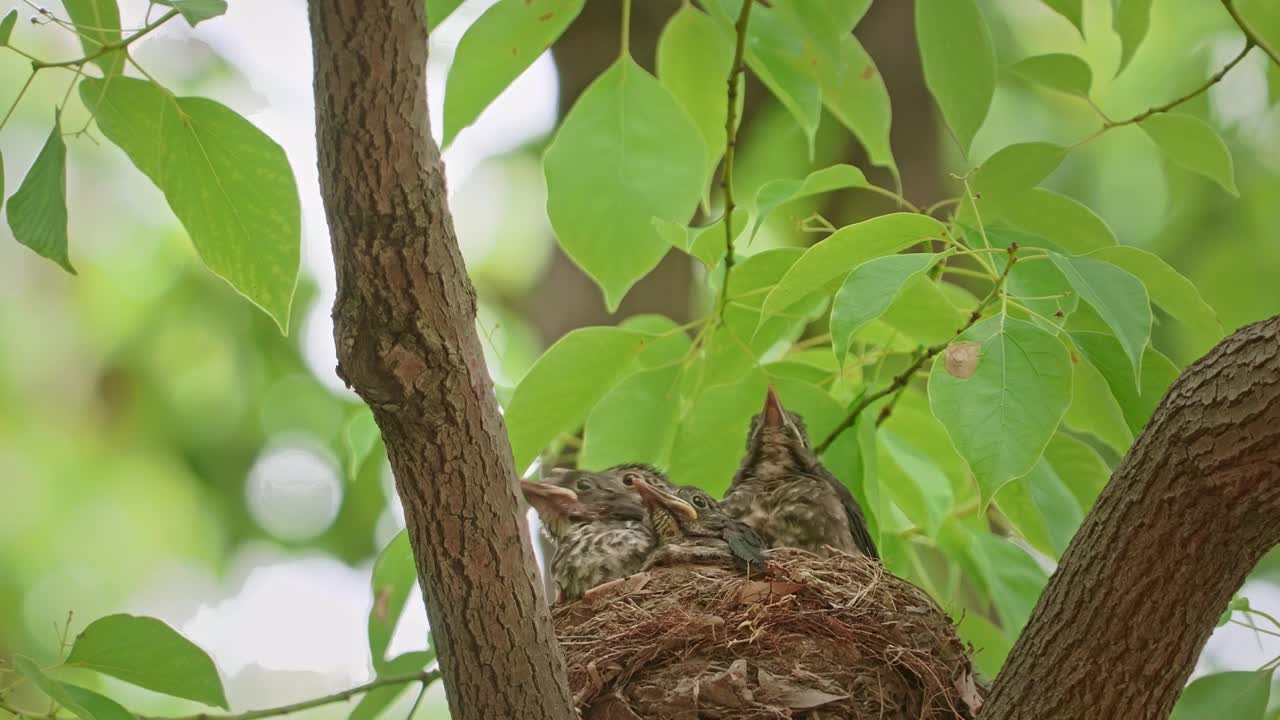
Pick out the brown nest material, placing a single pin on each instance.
(812, 637)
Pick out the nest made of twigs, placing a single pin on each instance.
(836, 637)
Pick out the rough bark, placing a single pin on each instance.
(405, 332)
(1188, 513)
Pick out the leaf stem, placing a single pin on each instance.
(626, 28)
(18, 99)
(901, 379)
(109, 47)
(730, 146)
(897, 197)
(1254, 38)
(425, 677)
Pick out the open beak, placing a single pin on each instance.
(548, 499)
(773, 415)
(653, 496)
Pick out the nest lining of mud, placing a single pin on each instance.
(810, 638)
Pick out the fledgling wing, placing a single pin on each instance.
(745, 544)
(853, 511)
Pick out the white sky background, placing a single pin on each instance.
(301, 619)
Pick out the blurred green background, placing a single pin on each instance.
(165, 451)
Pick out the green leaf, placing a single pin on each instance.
(1072, 10)
(499, 45)
(100, 707)
(37, 212)
(1014, 169)
(1013, 576)
(54, 689)
(959, 63)
(362, 434)
(6, 31)
(869, 290)
(1066, 221)
(380, 698)
(844, 250)
(229, 184)
(777, 53)
(919, 486)
(1235, 695)
(990, 645)
(634, 422)
(1190, 143)
(1002, 404)
(712, 433)
(394, 577)
(778, 192)
(1117, 296)
(694, 57)
(1041, 504)
(1170, 290)
(1094, 409)
(196, 11)
(1131, 18)
(707, 244)
(1137, 400)
(626, 153)
(98, 23)
(1263, 17)
(1057, 71)
(926, 313)
(438, 10)
(854, 92)
(669, 343)
(148, 653)
(560, 389)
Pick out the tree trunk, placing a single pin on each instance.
(1190, 510)
(404, 322)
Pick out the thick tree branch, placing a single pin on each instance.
(1189, 512)
(404, 324)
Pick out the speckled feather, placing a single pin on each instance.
(711, 537)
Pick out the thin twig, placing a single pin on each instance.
(425, 677)
(901, 379)
(1254, 38)
(109, 47)
(730, 145)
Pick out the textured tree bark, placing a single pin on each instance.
(404, 322)
(1190, 510)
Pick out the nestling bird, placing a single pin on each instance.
(783, 491)
(597, 524)
(690, 527)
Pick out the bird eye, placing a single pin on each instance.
(629, 479)
(584, 484)
(699, 501)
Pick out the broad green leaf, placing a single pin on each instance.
(926, 312)
(47, 685)
(853, 459)
(778, 192)
(869, 290)
(1072, 10)
(713, 432)
(37, 212)
(6, 30)
(848, 247)
(1064, 220)
(708, 244)
(499, 45)
(362, 435)
(626, 153)
(1057, 71)
(1117, 296)
(854, 92)
(438, 10)
(98, 23)
(1083, 471)
(990, 645)
(564, 384)
(380, 698)
(197, 11)
(1014, 169)
(148, 653)
(914, 482)
(1094, 409)
(1170, 290)
(669, 343)
(229, 184)
(1001, 390)
(394, 577)
(1190, 143)
(1131, 19)
(1014, 577)
(1235, 695)
(694, 57)
(1137, 400)
(1041, 504)
(100, 707)
(959, 63)
(778, 54)
(634, 422)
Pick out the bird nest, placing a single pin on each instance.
(812, 637)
